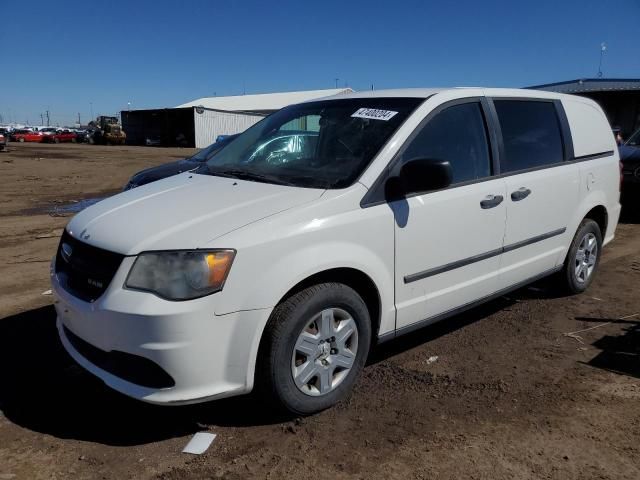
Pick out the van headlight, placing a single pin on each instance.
(181, 275)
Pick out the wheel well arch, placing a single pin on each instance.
(599, 215)
(353, 278)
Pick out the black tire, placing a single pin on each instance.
(57, 140)
(274, 372)
(570, 282)
(21, 140)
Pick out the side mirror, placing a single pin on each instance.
(423, 175)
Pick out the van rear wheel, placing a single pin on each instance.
(314, 348)
(583, 258)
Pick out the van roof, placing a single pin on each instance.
(428, 92)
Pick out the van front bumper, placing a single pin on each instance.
(156, 350)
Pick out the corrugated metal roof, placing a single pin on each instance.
(262, 102)
(591, 85)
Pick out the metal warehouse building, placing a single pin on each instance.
(619, 98)
(198, 123)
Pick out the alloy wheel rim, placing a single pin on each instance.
(324, 352)
(586, 257)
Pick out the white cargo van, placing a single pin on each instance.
(328, 227)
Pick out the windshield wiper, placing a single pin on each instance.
(247, 175)
(309, 181)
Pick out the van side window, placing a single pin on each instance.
(457, 134)
(530, 134)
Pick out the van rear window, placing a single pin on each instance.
(530, 133)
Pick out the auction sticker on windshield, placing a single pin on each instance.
(374, 114)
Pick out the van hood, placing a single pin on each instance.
(186, 211)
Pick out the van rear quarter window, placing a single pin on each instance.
(530, 133)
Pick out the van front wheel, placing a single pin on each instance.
(314, 347)
(583, 258)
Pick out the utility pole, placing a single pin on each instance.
(336, 79)
(603, 48)
(41, 119)
(47, 113)
(79, 119)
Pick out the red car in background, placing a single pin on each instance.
(25, 136)
(60, 136)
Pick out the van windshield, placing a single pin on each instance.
(324, 144)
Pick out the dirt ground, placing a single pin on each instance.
(508, 396)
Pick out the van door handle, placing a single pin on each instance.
(491, 201)
(520, 194)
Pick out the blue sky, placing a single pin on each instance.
(70, 57)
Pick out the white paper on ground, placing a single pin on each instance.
(199, 443)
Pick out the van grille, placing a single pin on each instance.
(83, 270)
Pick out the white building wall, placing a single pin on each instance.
(211, 123)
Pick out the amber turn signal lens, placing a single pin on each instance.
(219, 264)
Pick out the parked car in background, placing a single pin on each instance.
(48, 131)
(173, 168)
(61, 136)
(280, 268)
(82, 136)
(4, 138)
(630, 158)
(24, 135)
(152, 141)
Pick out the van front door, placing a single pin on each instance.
(448, 243)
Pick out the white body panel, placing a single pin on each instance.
(311, 239)
(429, 235)
(206, 206)
(546, 211)
(284, 235)
(590, 129)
